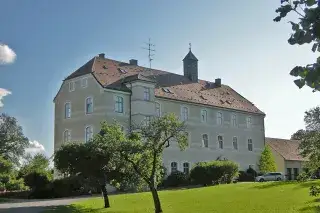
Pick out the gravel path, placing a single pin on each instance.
(36, 206)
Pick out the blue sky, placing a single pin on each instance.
(235, 40)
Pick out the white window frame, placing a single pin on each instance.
(203, 141)
(219, 141)
(86, 109)
(234, 119)
(146, 93)
(177, 166)
(183, 167)
(219, 118)
(204, 116)
(158, 106)
(116, 104)
(235, 137)
(184, 113)
(72, 86)
(84, 82)
(147, 120)
(250, 139)
(65, 110)
(85, 133)
(68, 136)
(249, 122)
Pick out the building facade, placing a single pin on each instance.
(220, 122)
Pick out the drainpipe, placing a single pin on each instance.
(130, 107)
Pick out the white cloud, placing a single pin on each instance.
(35, 147)
(7, 55)
(3, 93)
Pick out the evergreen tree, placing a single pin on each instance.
(267, 162)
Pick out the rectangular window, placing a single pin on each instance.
(219, 118)
(89, 133)
(67, 110)
(235, 143)
(186, 168)
(174, 167)
(89, 105)
(204, 116)
(146, 94)
(234, 120)
(205, 142)
(220, 141)
(84, 82)
(158, 110)
(119, 104)
(249, 122)
(71, 86)
(66, 136)
(250, 145)
(184, 113)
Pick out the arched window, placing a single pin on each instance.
(66, 136)
(204, 116)
(89, 105)
(186, 168)
(89, 133)
(220, 141)
(174, 167)
(67, 110)
(205, 142)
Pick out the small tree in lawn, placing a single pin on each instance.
(143, 148)
(267, 163)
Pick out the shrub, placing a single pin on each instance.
(245, 177)
(36, 179)
(303, 176)
(314, 191)
(200, 174)
(252, 172)
(176, 179)
(14, 185)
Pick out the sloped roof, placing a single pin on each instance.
(112, 74)
(191, 56)
(288, 149)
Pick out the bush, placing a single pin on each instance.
(15, 185)
(214, 172)
(36, 179)
(176, 179)
(252, 172)
(314, 191)
(303, 176)
(245, 177)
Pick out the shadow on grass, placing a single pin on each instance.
(315, 209)
(75, 209)
(283, 183)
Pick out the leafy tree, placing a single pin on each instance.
(310, 148)
(144, 146)
(298, 135)
(312, 119)
(306, 31)
(38, 162)
(267, 163)
(12, 140)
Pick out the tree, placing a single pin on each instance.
(310, 148)
(298, 135)
(312, 119)
(12, 140)
(143, 147)
(267, 163)
(306, 31)
(90, 160)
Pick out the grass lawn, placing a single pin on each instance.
(280, 197)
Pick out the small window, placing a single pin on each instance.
(84, 82)
(71, 86)
(186, 168)
(220, 141)
(147, 120)
(66, 136)
(219, 118)
(67, 110)
(249, 122)
(234, 120)
(89, 105)
(250, 145)
(89, 133)
(158, 110)
(204, 116)
(235, 143)
(184, 113)
(174, 167)
(205, 142)
(146, 94)
(119, 104)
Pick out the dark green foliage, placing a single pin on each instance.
(15, 184)
(252, 172)
(306, 31)
(314, 191)
(298, 135)
(245, 177)
(177, 179)
(38, 163)
(214, 172)
(303, 177)
(37, 179)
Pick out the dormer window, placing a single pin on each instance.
(167, 90)
(123, 71)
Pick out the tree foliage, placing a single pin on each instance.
(37, 163)
(12, 140)
(312, 119)
(267, 162)
(306, 31)
(298, 135)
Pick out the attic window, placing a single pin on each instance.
(203, 97)
(123, 71)
(167, 90)
(104, 67)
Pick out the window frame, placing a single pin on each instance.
(146, 94)
(65, 111)
(221, 141)
(147, 120)
(86, 109)
(183, 167)
(85, 133)
(204, 113)
(85, 79)
(184, 113)
(177, 167)
(117, 104)
(234, 120)
(68, 136)
(250, 139)
(249, 122)
(73, 87)
(219, 118)
(203, 140)
(235, 137)
(158, 104)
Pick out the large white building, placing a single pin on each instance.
(220, 122)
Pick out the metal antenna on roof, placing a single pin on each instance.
(150, 50)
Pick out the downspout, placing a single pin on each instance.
(130, 107)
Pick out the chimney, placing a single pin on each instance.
(217, 82)
(133, 62)
(101, 55)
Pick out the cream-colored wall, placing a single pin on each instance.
(280, 162)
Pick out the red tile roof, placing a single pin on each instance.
(111, 74)
(288, 149)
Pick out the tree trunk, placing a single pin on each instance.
(156, 199)
(105, 196)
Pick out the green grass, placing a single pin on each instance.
(274, 197)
